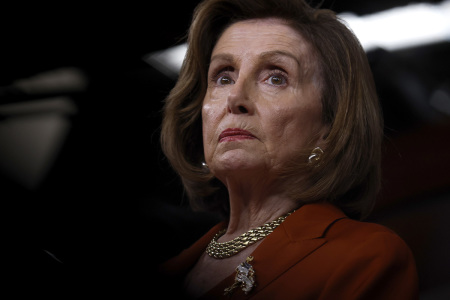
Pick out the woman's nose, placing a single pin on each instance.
(239, 100)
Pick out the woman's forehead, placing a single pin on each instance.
(255, 36)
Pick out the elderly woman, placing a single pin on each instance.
(274, 122)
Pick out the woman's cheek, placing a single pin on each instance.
(210, 122)
(217, 94)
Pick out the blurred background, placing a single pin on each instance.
(89, 199)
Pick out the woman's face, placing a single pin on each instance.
(262, 104)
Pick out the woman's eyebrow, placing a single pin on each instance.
(226, 57)
(276, 54)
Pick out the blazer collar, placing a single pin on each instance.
(311, 221)
(298, 236)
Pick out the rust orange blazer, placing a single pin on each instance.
(319, 253)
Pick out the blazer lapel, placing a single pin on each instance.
(298, 236)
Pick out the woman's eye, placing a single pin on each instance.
(224, 80)
(277, 80)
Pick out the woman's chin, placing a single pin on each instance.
(239, 166)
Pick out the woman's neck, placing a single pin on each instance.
(253, 204)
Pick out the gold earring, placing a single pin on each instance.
(315, 156)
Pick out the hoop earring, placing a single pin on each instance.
(315, 156)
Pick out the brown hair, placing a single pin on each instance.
(349, 171)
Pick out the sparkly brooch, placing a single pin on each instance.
(245, 278)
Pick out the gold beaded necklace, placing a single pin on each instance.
(227, 249)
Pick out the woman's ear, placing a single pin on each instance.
(323, 134)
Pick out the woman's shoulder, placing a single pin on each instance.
(371, 256)
(367, 236)
(364, 228)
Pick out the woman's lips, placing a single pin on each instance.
(233, 134)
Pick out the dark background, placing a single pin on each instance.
(109, 208)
